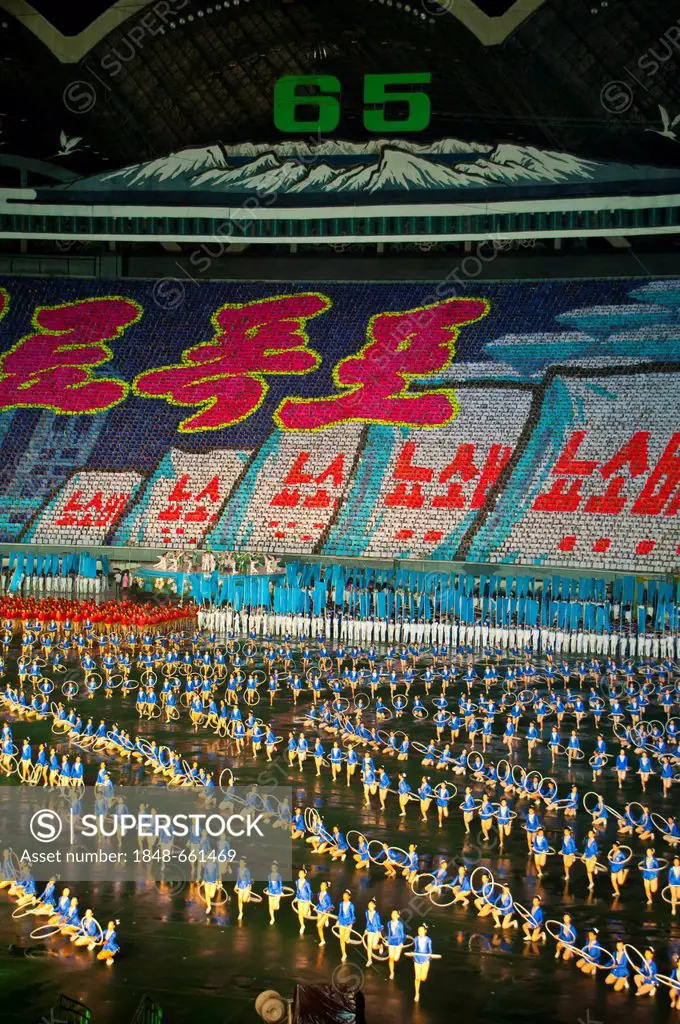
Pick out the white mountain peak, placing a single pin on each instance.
(381, 165)
(178, 165)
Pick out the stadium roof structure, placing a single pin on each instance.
(312, 121)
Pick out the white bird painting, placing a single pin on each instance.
(666, 125)
(68, 144)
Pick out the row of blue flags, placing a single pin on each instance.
(554, 601)
(26, 564)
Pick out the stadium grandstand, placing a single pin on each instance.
(340, 375)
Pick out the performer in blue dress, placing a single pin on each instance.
(324, 908)
(396, 934)
(274, 891)
(303, 894)
(422, 955)
(346, 918)
(618, 975)
(372, 932)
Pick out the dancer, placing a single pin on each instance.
(303, 894)
(533, 926)
(618, 975)
(645, 976)
(244, 884)
(566, 939)
(674, 883)
(346, 919)
(396, 934)
(650, 874)
(274, 891)
(109, 947)
(372, 932)
(619, 873)
(324, 908)
(591, 954)
(422, 955)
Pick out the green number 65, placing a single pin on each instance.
(379, 91)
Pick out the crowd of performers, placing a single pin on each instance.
(68, 585)
(487, 719)
(57, 622)
(341, 626)
(63, 912)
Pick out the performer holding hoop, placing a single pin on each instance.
(324, 908)
(645, 976)
(650, 868)
(422, 955)
(274, 891)
(109, 947)
(566, 937)
(533, 926)
(396, 934)
(618, 974)
(303, 895)
(674, 884)
(373, 932)
(346, 918)
(243, 886)
(674, 987)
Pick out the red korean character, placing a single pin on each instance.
(635, 455)
(401, 347)
(53, 368)
(403, 496)
(225, 378)
(565, 494)
(662, 482)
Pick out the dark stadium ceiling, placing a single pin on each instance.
(138, 80)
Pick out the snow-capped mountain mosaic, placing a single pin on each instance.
(326, 171)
